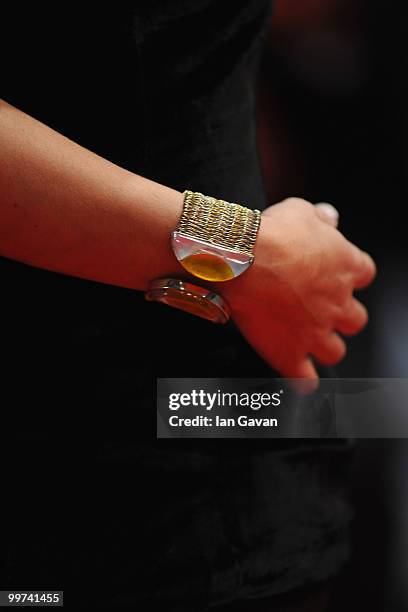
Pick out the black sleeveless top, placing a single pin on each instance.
(165, 89)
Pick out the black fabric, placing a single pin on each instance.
(167, 90)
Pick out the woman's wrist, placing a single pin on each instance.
(268, 252)
(162, 207)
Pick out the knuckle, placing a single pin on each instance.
(342, 351)
(330, 349)
(300, 204)
(364, 318)
(356, 321)
(334, 360)
(352, 257)
(370, 266)
(361, 313)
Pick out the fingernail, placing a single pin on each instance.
(329, 209)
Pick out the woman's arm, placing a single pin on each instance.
(66, 209)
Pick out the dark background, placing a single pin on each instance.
(333, 126)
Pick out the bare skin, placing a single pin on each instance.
(64, 208)
(301, 289)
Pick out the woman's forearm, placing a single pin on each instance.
(66, 209)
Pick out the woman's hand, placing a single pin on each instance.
(299, 292)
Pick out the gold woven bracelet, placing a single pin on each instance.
(215, 239)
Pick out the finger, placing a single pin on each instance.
(303, 375)
(366, 270)
(327, 213)
(353, 318)
(329, 349)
